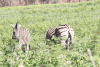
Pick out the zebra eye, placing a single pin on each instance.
(13, 33)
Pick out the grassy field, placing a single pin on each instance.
(84, 18)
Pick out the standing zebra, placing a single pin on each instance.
(22, 35)
(65, 32)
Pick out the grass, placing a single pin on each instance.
(84, 18)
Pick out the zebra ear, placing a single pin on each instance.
(16, 26)
(19, 25)
(12, 25)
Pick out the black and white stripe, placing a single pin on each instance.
(65, 34)
(22, 35)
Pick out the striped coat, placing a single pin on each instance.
(22, 35)
(65, 34)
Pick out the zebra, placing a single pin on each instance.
(21, 35)
(63, 32)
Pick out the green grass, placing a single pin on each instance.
(84, 18)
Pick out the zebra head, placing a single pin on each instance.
(15, 31)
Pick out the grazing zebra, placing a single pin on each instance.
(22, 35)
(65, 34)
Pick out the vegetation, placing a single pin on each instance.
(84, 18)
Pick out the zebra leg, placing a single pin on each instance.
(64, 36)
(72, 36)
(68, 44)
(27, 47)
(63, 43)
(20, 46)
(63, 40)
(47, 42)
